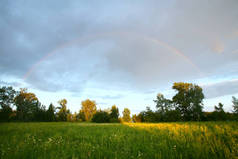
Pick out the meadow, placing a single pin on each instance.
(130, 140)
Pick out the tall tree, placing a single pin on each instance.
(235, 104)
(150, 116)
(101, 117)
(163, 104)
(27, 104)
(88, 108)
(51, 113)
(114, 115)
(219, 108)
(80, 116)
(126, 115)
(7, 95)
(188, 100)
(40, 113)
(219, 113)
(63, 111)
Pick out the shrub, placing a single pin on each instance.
(101, 117)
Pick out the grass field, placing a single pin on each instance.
(87, 140)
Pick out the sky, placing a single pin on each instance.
(119, 52)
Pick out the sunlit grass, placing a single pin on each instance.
(128, 140)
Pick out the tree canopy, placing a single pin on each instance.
(235, 104)
(126, 115)
(7, 95)
(188, 100)
(27, 104)
(63, 111)
(88, 108)
(185, 105)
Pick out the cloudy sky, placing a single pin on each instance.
(119, 52)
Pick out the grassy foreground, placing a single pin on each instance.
(82, 140)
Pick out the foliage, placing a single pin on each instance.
(51, 113)
(101, 117)
(186, 105)
(149, 116)
(7, 95)
(188, 100)
(137, 118)
(63, 111)
(235, 105)
(126, 115)
(219, 113)
(171, 116)
(88, 108)
(80, 116)
(162, 104)
(27, 105)
(114, 115)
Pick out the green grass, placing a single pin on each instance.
(86, 140)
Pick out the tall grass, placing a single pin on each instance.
(87, 140)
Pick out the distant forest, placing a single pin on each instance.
(186, 105)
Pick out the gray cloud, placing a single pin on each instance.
(14, 84)
(117, 45)
(221, 89)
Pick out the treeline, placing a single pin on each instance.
(25, 106)
(186, 105)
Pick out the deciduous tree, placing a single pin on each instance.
(235, 104)
(7, 95)
(126, 115)
(188, 100)
(63, 111)
(114, 115)
(162, 104)
(51, 113)
(88, 108)
(27, 104)
(101, 117)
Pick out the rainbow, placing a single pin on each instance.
(89, 38)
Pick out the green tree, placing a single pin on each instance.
(63, 111)
(27, 104)
(114, 115)
(51, 113)
(235, 104)
(126, 115)
(7, 95)
(219, 108)
(151, 116)
(188, 100)
(101, 117)
(219, 113)
(88, 108)
(162, 104)
(80, 116)
(40, 114)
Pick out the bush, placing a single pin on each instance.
(101, 117)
